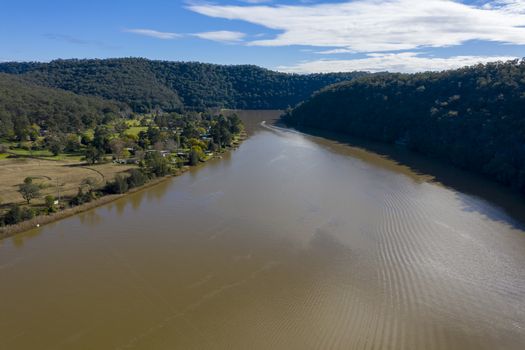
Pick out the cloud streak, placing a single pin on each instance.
(375, 26)
(154, 33)
(407, 62)
(224, 36)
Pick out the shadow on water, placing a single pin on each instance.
(18, 241)
(424, 169)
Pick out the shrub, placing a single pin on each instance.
(27, 213)
(118, 186)
(83, 197)
(13, 216)
(50, 204)
(136, 178)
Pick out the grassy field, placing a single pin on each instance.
(135, 130)
(44, 154)
(69, 173)
(69, 169)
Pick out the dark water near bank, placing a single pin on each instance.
(289, 242)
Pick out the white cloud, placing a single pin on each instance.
(408, 62)
(221, 36)
(335, 51)
(380, 25)
(154, 33)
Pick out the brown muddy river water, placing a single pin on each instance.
(289, 242)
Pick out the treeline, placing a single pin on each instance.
(26, 109)
(169, 143)
(472, 117)
(146, 85)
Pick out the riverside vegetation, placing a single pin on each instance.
(141, 149)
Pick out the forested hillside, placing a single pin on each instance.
(145, 85)
(472, 117)
(130, 81)
(26, 107)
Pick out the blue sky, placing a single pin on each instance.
(289, 35)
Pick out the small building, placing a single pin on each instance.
(127, 161)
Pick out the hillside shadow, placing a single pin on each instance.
(463, 183)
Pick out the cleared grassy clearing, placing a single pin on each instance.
(68, 172)
(135, 130)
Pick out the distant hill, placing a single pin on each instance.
(145, 85)
(130, 81)
(24, 103)
(472, 117)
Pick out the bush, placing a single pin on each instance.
(118, 186)
(27, 213)
(50, 204)
(13, 216)
(17, 214)
(136, 178)
(82, 197)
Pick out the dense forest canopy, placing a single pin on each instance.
(145, 85)
(472, 117)
(130, 81)
(26, 107)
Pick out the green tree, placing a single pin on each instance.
(157, 164)
(136, 178)
(72, 143)
(50, 203)
(117, 147)
(196, 154)
(56, 144)
(29, 190)
(101, 138)
(93, 154)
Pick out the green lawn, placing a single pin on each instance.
(66, 156)
(45, 154)
(135, 130)
(24, 152)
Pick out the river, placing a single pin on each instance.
(289, 242)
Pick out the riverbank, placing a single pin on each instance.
(40, 220)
